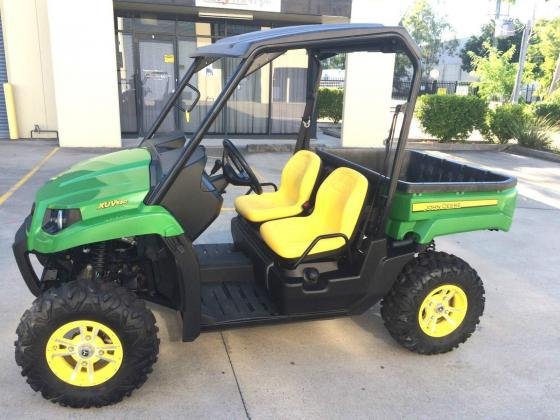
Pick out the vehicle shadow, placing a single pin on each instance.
(372, 322)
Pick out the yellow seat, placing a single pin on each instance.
(296, 184)
(339, 202)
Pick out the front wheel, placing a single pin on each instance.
(435, 304)
(86, 344)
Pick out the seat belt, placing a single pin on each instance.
(313, 82)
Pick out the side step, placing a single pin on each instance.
(221, 262)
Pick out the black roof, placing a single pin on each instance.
(243, 45)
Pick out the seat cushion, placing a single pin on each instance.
(296, 185)
(338, 206)
(289, 238)
(267, 206)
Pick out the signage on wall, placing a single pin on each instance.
(257, 5)
(168, 58)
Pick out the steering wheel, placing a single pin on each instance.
(236, 169)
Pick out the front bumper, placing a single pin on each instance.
(22, 258)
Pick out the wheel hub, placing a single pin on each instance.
(84, 353)
(443, 310)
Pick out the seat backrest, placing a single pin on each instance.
(340, 199)
(299, 176)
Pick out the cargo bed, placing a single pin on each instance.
(434, 196)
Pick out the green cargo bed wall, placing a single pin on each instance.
(4, 130)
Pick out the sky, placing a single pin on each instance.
(466, 17)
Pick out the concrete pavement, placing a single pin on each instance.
(343, 368)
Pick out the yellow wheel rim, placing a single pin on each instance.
(443, 310)
(84, 353)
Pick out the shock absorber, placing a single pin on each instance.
(98, 254)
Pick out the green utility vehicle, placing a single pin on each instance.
(344, 229)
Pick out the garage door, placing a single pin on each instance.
(4, 132)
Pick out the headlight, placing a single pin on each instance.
(55, 220)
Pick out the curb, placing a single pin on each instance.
(282, 148)
(539, 154)
(333, 132)
(263, 148)
(457, 147)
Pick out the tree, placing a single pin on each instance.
(544, 52)
(555, 78)
(336, 62)
(475, 44)
(495, 71)
(427, 29)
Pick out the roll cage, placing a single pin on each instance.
(256, 49)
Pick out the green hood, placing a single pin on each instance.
(109, 191)
(121, 178)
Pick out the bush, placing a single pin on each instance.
(451, 117)
(329, 104)
(554, 97)
(501, 122)
(534, 132)
(549, 110)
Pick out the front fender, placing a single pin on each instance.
(143, 220)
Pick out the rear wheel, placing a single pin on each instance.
(86, 344)
(435, 304)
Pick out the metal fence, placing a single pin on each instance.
(332, 83)
(528, 93)
(401, 88)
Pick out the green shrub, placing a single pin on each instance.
(329, 104)
(501, 122)
(550, 110)
(534, 132)
(554, 97)
(451, 117)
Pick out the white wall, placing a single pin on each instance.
(369, 80)
(82, 38)
(27, 50)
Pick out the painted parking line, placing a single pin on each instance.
(27, 176)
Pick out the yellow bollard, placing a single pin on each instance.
(11, 111)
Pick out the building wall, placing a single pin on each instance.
(61, 62)
(84, 70)
(369, 81)
(449, 66)
(310, 7)
(28, 59)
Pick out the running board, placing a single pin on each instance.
(236, 304)
(234, 300)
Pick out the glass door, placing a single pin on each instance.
(126, 76)
(208, 81)
(156, 80)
